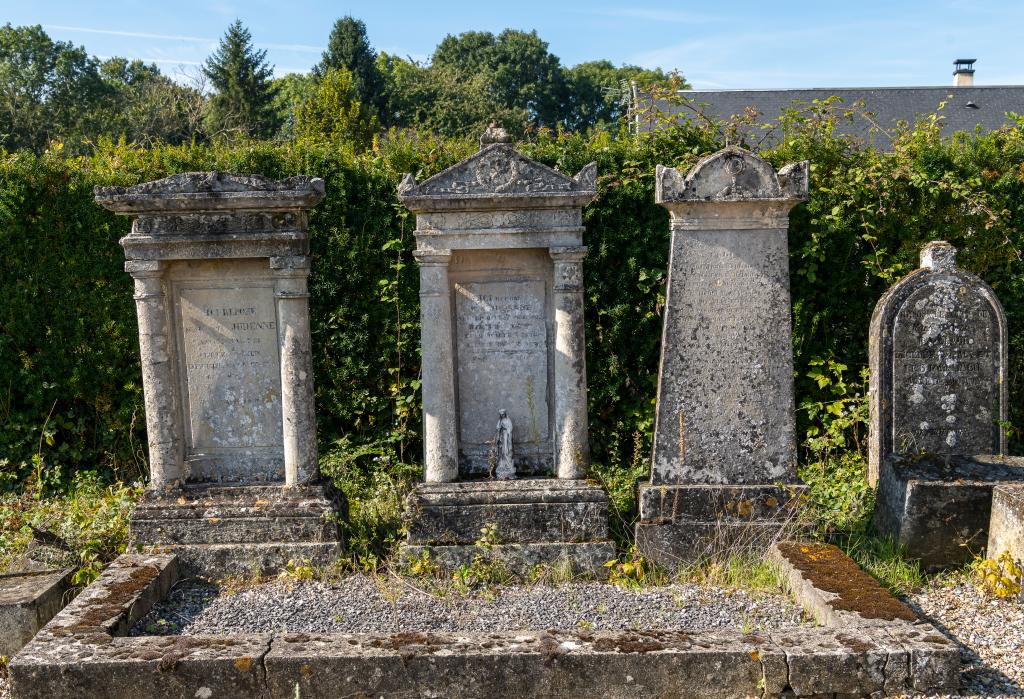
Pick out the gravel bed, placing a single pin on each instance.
(365, 604)
(990, 634)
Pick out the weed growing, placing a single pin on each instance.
(84, 529)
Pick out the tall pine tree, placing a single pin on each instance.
(244, 97)
(349, 48)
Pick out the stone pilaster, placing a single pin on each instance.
(160, 390)
(440, 441)
(572, 447)
(297, 409)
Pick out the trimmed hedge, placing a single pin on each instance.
(70, 394)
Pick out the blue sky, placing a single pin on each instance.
(734, 45)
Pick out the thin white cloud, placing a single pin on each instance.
(137, 35)
(170, 61)
(297, 48)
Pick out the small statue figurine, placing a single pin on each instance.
(506, 469)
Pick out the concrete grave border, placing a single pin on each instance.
(84, 652)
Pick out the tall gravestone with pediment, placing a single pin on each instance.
(724, 454)
(938, 357)
(499, 245)
(220, 264)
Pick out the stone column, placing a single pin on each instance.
(163, 414)
(572, 447)
(297, 411)
(440, 442)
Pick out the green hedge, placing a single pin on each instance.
(70, 396)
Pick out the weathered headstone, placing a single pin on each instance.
(501, 289)
(938, 356)
(938, 353)
(220, 264)
(724, 457)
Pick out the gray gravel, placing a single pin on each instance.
(366, 604)
(990, 633)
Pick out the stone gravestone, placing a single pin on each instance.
(220, 264)
(504, 373)
(724, 456)
(938, 356)
(938, 364)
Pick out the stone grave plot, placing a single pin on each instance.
(499, 246)
(393, 604)
(938, 357)
(868, 644)
(220, 264)
(724, 458)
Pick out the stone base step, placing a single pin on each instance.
(586, 558)
(239, 530)
(217, 561)
(233, 530)
(937, 508)
(522, 511)
(670, 545)
(662, 504)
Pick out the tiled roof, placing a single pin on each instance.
(966, 107)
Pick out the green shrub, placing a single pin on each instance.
(70, 395)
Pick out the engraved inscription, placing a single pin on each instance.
(725, 410)
(502, 352)
(944, 372)
(231, 366)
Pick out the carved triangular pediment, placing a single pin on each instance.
(213, 182)
(498, 169)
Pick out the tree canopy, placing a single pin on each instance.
(53, 91)
(243, 100)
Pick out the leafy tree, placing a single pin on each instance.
(443, 99)
(290, 91)
(147, 106)
(349, 48)
(598, 91)
(48, 90)
(244, 98)
(333, 112)
(521, 75)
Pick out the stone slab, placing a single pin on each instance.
(1006, 526)
(937, 508)
(242, 530)
(502, 303)
(83, 652)
(585, 557)
(690, 522)
(662, 504)
(833, 588)
(27, 601)
(671, 545)
(938, 358)
(523, 511)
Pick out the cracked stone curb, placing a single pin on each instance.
(83, 652)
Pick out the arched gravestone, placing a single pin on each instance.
(938, 392)
(938, 353)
